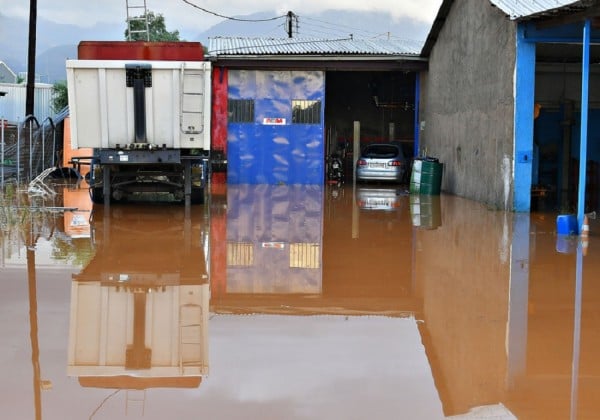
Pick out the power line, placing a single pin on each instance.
(231, 17)
(308, 29)
(104, 401)
(337, 26)
(279, 27)
(336, 29)
(312, 32)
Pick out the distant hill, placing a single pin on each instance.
(50, 65)
(57, 42)
(54, 43)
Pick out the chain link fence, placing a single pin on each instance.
(29, 148)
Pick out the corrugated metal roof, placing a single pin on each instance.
(221, 46)
(6, 74)
(517, 9)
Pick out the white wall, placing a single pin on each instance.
(12, 105)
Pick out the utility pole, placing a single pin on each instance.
(290, 23)
(29, 105)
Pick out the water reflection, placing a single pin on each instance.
(293, 251)
(290, 249)
(139, 309)
(386, 198)
(463, 273)
(426, 211)
(274, 239)
(273, 246)
(26, 220)
(485, 312)
(76, 200)
(367, 256)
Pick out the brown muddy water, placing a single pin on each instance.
(290, 302)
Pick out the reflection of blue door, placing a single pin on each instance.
(278, 144)
(274, 239)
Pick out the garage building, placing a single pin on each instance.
(281, 106)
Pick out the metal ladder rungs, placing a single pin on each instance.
(143, 18)
(190, 339)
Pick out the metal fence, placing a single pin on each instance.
(27, 149)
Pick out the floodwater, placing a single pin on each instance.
(292, 302)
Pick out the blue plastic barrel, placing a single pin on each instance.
(566, 224)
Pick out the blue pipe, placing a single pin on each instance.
(585, 79)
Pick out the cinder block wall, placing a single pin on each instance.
(467, 106)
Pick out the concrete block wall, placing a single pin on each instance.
(467, 103)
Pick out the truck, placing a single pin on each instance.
(144, 110)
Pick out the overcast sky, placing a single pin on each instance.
(179, 14)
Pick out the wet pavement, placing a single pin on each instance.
(295, 302)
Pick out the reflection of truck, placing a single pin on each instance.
(139, 308)
(144, 108)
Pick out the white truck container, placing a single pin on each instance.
(144, 108)
(102, 108)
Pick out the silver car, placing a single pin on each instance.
(381, 162)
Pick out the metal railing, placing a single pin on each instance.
(27, 149)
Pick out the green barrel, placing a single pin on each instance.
(425, 211)
(431, 177)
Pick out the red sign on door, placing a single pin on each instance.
(274, 121)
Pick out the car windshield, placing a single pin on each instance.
(381, 151)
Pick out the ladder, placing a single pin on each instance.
(135, 397)
(192, 100)
(137, 12)
(190, 337)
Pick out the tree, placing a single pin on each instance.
(60, 98)
(157, 28)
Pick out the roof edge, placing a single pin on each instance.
(436, 27)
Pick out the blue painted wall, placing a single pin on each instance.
(524, 106)
(261, 153)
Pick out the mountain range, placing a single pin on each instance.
(57, 42)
